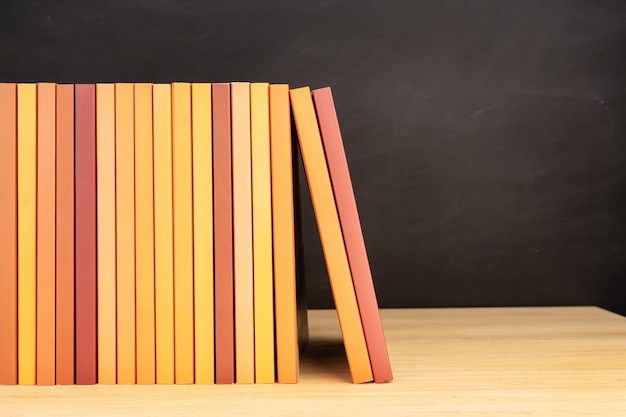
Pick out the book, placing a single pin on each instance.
(283, 236)
(352, 234)
(106, 284)
(125, 233)
(262, 233)
(26, 231)
(46, 234)
(85, 233)
(242, 233)
(183, 233)
(330, 234)
(64, 365)
(203, 233)
(163, 234)
(223, 235)
(8, 234)
(144, 235)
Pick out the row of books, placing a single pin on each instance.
(147, 234)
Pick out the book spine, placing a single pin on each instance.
(65, 235)
(46, 235)
(262, 232)
(183, 233)
(223, 229)
(352, 234)
(283, 236)
(203, 233)
(144, 226)
(8, 234)
(330, 234)
(242, 233)
(26, 231)
(85, 233)
(105, 131)
(163, 235)
(125, 236)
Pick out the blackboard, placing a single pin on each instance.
(486, 138)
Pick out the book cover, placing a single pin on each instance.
(106, 285)
(223, 230)
(144, 235)
(283, 236)
(46, 235)
(163, 234)
(26, 231)
(262, 232)
(352, 234)
(125, 232)
(8, 234)
(203, 232)
(242, 233)
(183, 233)
(85, 233)
(330, 234)
(64, 365)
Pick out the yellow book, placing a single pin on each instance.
(283, 234)
(26, 231)
(105, 171)
(163, 237)
(242, 234)
(203, 232)
(46, 233)
(183, 233)
(144, 238)
(125, 212)
(262, 232)
(331, 236)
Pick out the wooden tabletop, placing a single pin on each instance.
(552, 361)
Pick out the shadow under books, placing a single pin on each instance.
(325, 356)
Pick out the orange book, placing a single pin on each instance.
(8, 234)
(46, 235)
(144, 229)
(106, 281)
(242, 233)
(26, 232)
(262, 232)
(125, 240)
(283, 236)
(65, 235)
(163, 234)
(183, 233)
(203, 232)
(352, 234)
(223, 232)
(331, 236)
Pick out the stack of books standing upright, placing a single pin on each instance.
(149, 234)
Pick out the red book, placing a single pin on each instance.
(8, 234)
(85, 233)
(223, 230)
(352, 234)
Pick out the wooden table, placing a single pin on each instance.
(553, 361)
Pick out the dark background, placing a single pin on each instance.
(486, 138)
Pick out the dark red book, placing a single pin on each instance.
(223, 231)
(85, 233)
(352, 234)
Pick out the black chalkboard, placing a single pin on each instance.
(486, 138)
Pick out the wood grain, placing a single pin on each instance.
(553, 361)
